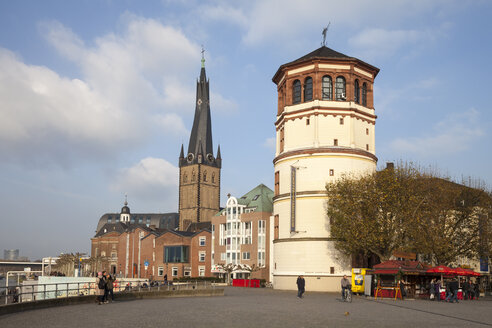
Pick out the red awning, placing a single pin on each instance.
(442, 269)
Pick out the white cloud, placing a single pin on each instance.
(135, 80)
(223, 105)
(151, 178)
(270, 143)
(225, 13)
(46, 117)
(453, 134)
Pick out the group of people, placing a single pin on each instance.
(105, 284)
(470, 290)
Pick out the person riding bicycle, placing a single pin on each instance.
(345, 285)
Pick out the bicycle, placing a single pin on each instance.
(347, 294)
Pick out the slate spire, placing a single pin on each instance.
(201, 132)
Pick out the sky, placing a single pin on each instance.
(96, 98)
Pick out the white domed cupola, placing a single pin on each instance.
(125, 212)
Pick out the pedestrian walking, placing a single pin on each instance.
(432, 289)
(110, 286)
(437, 287)
(101, 286)
(106, 290)
(301, 284)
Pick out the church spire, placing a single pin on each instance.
(201, 133)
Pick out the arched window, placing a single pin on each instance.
(356, 92)
(308, 89)
(213, 177)
(364, 94)
(204, 176)
(327, 88)
(296, 91)
(340, 89)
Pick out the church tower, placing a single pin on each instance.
(199, 170)
(325, 128)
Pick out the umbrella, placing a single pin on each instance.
(442, 269)
(462, 272)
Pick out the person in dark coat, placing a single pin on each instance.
(301, 284)
(453, 291)
(110, 286)
(437, 286)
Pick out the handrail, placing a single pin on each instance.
(20, 292)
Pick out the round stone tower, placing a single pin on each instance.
(325, 128)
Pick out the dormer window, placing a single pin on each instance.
(308, 89)
(340, 94)
(356, 92)
(296, 91)
(327, 88)
(364, 94)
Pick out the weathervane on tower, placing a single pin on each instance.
(203, 56)
(325, 30)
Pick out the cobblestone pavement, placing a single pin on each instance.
(243, 307)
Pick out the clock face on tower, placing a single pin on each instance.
(199, 102)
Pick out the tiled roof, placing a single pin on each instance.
(260, 198)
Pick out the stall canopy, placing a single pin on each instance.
(444, 270)
(392, 267)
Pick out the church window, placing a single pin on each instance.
(296, 92)
(193, 176)
(356, 91)
(327, 88)
(364, 94)
(308, 89)
(205, 176)
(213, 177)
(340, 88)
(185, 177)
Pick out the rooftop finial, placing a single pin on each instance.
(325, 30)
(126, 199)
(203, 56)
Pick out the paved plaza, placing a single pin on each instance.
(243, 307)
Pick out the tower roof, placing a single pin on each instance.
(325, 53)
(200, 147)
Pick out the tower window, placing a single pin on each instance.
(367, 146)
(308, 89)
(296, 91)
(277, 183)
(185, 177)
(205, 176)
(335, 142)
(341, 120)
(307, 121)
(213, 177)
(364, 94)
(367, 131)
(332, 172)
(340, 88)
(327, 88)
(356, 91)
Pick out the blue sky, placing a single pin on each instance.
(96, 97)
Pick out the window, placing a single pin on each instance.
(307, 121)
(176, 254)
(185, 177)
(201, 256)
(103, 253)
(364, 94)
(296, 92)
(332, 270)
(223, 256)
(201, 271)
(275, 227)
(332, 172)
(367, 131)
(261, 226)
(256, 197)
(261, 258)
(277, 183)
(203, 240)
(341, 120)
(113, 255)
(356, 92)
(340, 88)
(281, 139)
(110, 219)
(367, 146)
(335, 142)
(205, 176)
(327, 88)
(308, 89)
(246, 256)
(175, 271)
(160, 271)
(187, 273)
(213, 177)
